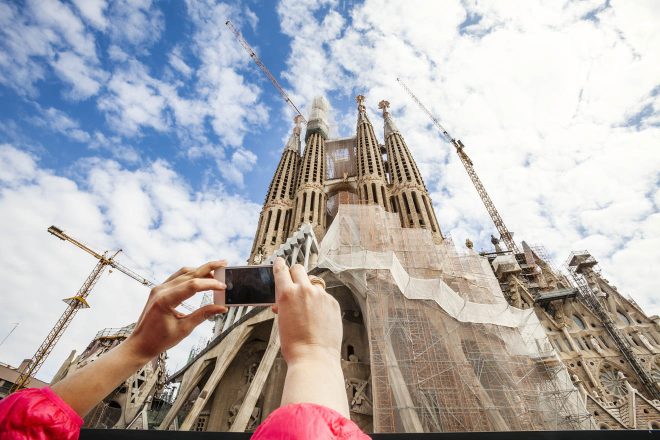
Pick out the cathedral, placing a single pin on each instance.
(437, 337)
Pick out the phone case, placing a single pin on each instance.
(219, 296)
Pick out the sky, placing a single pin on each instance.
(144, 126)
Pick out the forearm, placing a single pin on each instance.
(319, 381)
(85, 388)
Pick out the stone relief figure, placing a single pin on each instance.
(359, 402)
(516, 299)
(646, 343)
(254, 418)
(596, 345)
(233, 412)
(559, 316)
(592, 279)
(250, 372)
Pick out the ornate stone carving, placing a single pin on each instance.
(359, 402)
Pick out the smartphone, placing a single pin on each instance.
(246, 286)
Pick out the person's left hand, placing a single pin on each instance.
(160, 325)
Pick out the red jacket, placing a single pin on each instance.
(42, 414)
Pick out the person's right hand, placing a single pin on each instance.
(161, 326)
(309, 318)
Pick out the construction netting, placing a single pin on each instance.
(448, 353)
(341, 158)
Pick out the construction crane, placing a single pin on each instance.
(263, 68)
(506, 236)
(75, 303)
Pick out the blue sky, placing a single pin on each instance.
(31, 110)
(145, 126)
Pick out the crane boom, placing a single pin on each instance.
(263, 68)
(75, 303)
(506, 236)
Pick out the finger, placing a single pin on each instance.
(203, 271)
(281, 275)
(299, 275)
(179, 272)
(208, 268)
(181, 292)
(200, 315)
(274, 308)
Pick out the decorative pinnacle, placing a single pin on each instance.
(384, 105)
(297, 120)
(360, 101)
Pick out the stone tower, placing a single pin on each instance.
(275, 218)
(371, 178)
(310, 197)
(408, 194)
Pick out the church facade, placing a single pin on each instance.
(436, 338)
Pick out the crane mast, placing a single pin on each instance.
(506, 236)
(263, 68)
(74, 303)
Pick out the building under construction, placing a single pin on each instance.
(436, 338)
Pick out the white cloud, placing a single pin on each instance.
(93, 11)
(59, 122)
(540, 94)
(16, 165)
(251, 18)
(241, 161)
(150, 213)
(233, 102)
(138, 23)
(134, 101)
(85, 81)
(47, 32)
(177, 62)
(59, 17)
(221, 96)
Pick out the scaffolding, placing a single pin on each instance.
(579, 263)
(341, 158)
(448, 353)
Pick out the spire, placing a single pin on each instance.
(390, 127)
(310, 199)
(409, 196)
(372, 180)
(362, 110)
(275, 217)
(318, 118)
(496, 243)
(294, 140)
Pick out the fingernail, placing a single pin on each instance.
(222, 285)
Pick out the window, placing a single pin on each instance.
(579, 322)
(622, 317)
(200, 423)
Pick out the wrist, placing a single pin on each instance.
(132, 353)
(313, 355)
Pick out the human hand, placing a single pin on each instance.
(160, 325)
(309, 318)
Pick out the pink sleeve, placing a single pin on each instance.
(37, 414)
(307, 421)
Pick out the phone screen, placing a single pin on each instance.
(249, 285)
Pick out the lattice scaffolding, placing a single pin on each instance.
(448, 353)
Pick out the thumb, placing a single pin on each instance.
(198, 316)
